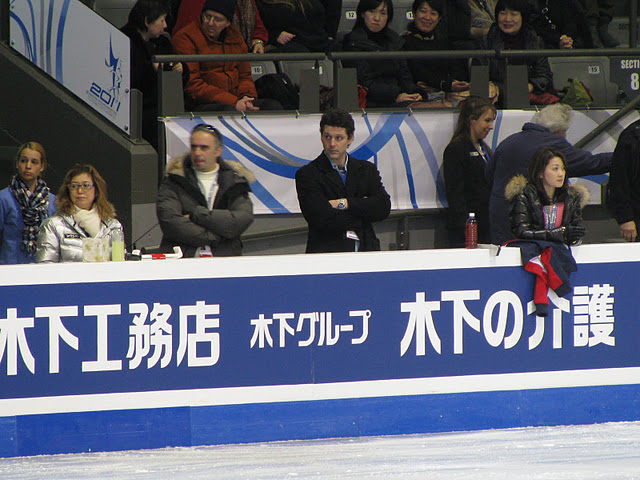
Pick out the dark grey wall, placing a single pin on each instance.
(34, 107)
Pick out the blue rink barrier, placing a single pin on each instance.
(118, 356)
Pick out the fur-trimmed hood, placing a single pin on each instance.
(518, 183)
(176, 166)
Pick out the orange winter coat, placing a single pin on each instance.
(215, 82)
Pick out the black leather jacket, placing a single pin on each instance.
(527, 221)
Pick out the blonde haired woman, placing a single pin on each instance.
(24, 205)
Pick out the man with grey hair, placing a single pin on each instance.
(548, 128)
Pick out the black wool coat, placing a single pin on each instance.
(318, 182)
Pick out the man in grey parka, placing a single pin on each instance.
(203, 202)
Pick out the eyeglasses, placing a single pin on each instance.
(83, 186)
(217, 18)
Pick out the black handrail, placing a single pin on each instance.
(464, 54)
(232, 57)
(632, 105)
(435, 54)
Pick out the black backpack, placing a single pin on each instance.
(278, 86)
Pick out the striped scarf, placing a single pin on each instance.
(245, 19)
(34, 207)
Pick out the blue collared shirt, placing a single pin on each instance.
(343, 172)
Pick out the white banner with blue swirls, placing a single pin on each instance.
(407, 148)
(79, 49)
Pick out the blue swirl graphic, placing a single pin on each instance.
(301, 160)
(599, 179)
(496, 131)
(432, 161)
(407, 166)
(267, 199)
(390, 126)
(286, 171)
(49, 32)
(59, 39)
(34, 37)
(25, 36)
(368, 124)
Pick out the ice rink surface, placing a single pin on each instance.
(582, 452)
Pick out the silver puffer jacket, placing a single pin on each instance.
(60, 238)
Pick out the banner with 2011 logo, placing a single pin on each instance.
(79, 49)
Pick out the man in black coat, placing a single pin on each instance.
(624, 182)
(341, 196)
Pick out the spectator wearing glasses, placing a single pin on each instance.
(24, 205)
(246, 19)
(84, 211)
(203, 202)
(219, 86)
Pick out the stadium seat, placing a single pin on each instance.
(592, 71)
(259, 68)
(402, 15)
(294, 67)
(348, 16)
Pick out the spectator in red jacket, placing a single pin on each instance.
(216, 86)
(246, 19)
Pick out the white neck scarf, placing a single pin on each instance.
(89, 220)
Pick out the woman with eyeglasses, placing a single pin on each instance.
(24, 205)
(83, 212)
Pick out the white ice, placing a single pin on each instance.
(583, 452)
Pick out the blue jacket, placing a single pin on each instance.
(512, 158)
(11, 226)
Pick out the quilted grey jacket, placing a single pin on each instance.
(60, 238)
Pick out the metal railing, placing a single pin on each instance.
(344, 83)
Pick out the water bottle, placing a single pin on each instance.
(117, 245)
(471, 232)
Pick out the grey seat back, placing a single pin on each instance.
(592, 71)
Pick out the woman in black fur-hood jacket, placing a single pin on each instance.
(544, 206)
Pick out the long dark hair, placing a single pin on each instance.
(539, 162)
(149, 10)
(471, 109)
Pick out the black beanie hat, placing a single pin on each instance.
(224, 7)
